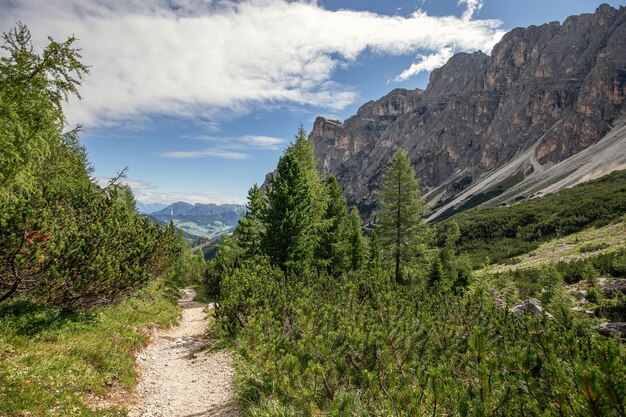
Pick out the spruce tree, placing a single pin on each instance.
(333, 247)
(289, 239)
(399, 213)
(250, 227)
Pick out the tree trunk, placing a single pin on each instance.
(16, 281)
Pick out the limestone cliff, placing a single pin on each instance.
(543, 95)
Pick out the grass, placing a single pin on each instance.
(478, 199)
(587, 243)
(210, 231)
(52, 361)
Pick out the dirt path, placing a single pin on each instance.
(178, 381)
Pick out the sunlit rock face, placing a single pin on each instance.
(555, 88)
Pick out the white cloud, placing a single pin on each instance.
(196, 197)
(228, 147)
(134, 184)
(426, 63)
(473, 7)
(147, 193)
(207, 59)
(213, 153)
(264, 142)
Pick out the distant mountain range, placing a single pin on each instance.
(201, 220)
(147, 208)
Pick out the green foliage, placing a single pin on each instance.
(499, 233)
(228, 258)
(250, 227)
(53, 359)
(64, 241)
(289, 240)
(333, 247)
(358, 246)
(399, 224)
(451, 234)
(363, 346)
(530, 281)
(32, 90)
(322, 328)
(436, 276)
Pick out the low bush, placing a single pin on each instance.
(362, 345)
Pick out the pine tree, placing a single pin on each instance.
(436, 274)
(399, 213)
(357, 241)
(250, 227)
(289, 239)
(333, 247)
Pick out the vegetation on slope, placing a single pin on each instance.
(53, 361)
(492, 235)
(317, 335)
(71, 252)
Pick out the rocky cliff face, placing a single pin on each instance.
(545, 93)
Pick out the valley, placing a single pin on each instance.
(457, 249)
(200, 220)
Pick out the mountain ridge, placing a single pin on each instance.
(546, 93)
(199, 219)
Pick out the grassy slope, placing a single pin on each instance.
(51, 361)
(496, 234)
(587, 243)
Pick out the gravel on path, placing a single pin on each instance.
(177, 378)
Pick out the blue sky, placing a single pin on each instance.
(198, 98)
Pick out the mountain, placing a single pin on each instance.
(202, 220)
(544, 111)
(147, 208)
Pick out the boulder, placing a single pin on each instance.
(579, 309)
(612, 329)
(530, 306)
(613, 285)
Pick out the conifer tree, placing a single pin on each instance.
(358, 249)
(63, 240)
(250, 227)
(332, 250)
(399, 213)
(302, 149)
(289, 239)
(436, 274)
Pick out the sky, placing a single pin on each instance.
(199, 98)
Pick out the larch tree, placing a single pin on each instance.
(400, 208)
